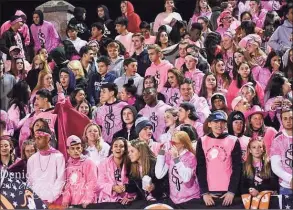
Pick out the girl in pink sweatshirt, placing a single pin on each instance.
(202, 9)
(218, 153)
(223, 77)
(81, 176)
(180, 163)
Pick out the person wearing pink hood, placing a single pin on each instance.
(134, 20)
(180, 163)
(24, 30)
(44, 33)
(154, 110)
(159, 68)
(113, 178)
(81, 177)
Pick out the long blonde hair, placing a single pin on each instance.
(100, 140)
(183, 137)
(146, 155)
(75, 64)
(46, 67)
(248, 164)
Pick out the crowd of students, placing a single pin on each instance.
(125, 113)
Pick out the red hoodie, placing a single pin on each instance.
(133, 19)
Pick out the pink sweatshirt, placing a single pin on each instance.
(160, 72)
(233, 92)
(46, 34)
(172, 95)
(25, 130)
(151, 40)
(165, 18)
(198, 127)
(109, 117)
(179, 63)
(281, 158)
(195, 17)
(244, 140)
(197, 77)
(261, 75)
(81, 182)
(126, 40)
(156, 116)
(268, 138)
(260, 18)
(49, 117)
(14, 116)
(111, 175)
(182, 178)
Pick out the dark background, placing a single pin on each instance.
(146, 9)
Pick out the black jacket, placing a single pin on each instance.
(32, 78)
(143, 62)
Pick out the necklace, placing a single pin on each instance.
(47, 163)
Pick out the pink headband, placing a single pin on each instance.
(17, 20)
(42, 133)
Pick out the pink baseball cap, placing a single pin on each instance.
(235, 102)
(72, 140)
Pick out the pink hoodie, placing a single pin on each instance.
(81, 182)
(24, 30)
(47, 34)
(182, 178)
(111, 175)
(197, 77)
(260, 19)
(160, 72)
(244, 140)
(156, 116)
(268, 138)
(179, 63)
(261, 75)
(198, 127)
(233, 92)
(14, 116)
(172, 95)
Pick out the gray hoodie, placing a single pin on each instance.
(138, 82)
(6, 84)
(282, 38)
(117, 67)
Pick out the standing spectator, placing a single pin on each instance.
(72, 32)
(106, 21)
(44, 33)
(134, 21)
(79, 22)
(202, 9)
(125, 37)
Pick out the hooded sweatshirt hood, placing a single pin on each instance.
(58, 55)
(130, 8)
(106, 14)
(41, 15)
(20, 13)
(134, 112)
(78, 13)
(72, 81)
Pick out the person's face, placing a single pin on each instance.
(101, 12)
(113, 52)
(195, 34)
(64, 79)
(19, 64)
(233, 3)
(92, 134)
(1, 66)
(148, 83)
(44, 53)
(127, 116)
(84, 108)
(177, 143)
(41, 102)
(132, 68)
(172, 80)
(227, 21)
(123, 8)
(133, 154)
(48, 81)
(153, 55)
(239, 58)
(42, 142)
(251, 47)
(80, 96)
(94, 48)
(229, 8)
(124, 95)
(89, 56)
(103, 68)
(137, 44)
(190, 62)
(145, 32)
(237, 126)
(244, 71)
(246, 17)
(170, 120)
(29, 150)
(149, 96)
(243, 105)
(220, 67)
(118, 149)
(217, 127)
(36, 19)
(106, 95)
(96, 32)
(247, 93)
(186, 91)
(219, 104)
(254, 7)
(169, 5)
(38, 64)
(120, 28)
(75, 151)
(72, 34)
(164, 38)
(291, 55)
(203, 24)
(182, 114)
(256, 149)
(146, 133)
(203, 4)
(227, 42)
(286, 86)
(287, 120)
(256, 121)
(38, 125)
(211, 82)
(5, 148)
(182, 50)
(290, 15)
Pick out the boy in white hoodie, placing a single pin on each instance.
(72, 32)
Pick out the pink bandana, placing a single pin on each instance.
(41, 133)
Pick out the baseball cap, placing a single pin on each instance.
(218, 116)
(72, 140)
